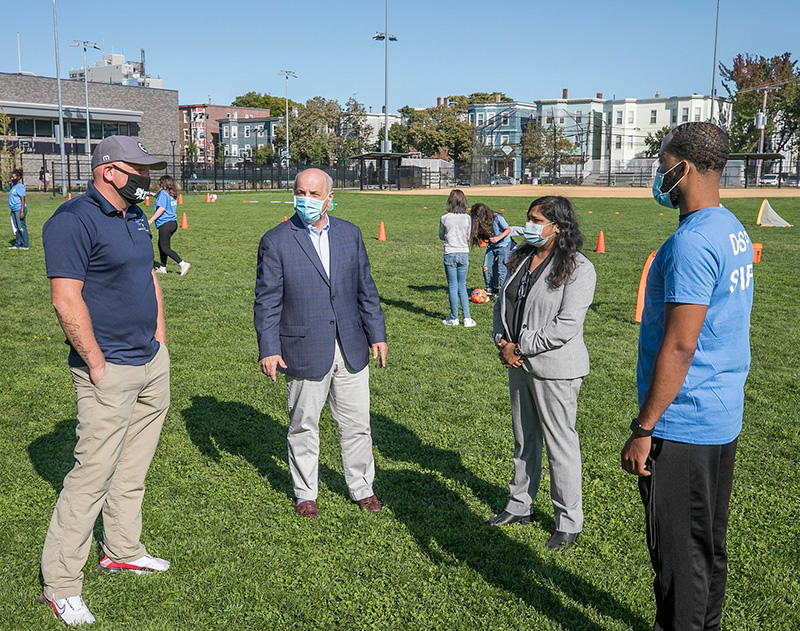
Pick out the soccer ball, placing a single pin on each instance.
(478, 296)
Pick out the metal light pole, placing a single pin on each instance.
(714, 74)
(86, 45)
(172, 142)
(60, 107)
(286, 74)
(385, 37)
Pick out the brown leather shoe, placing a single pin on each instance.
(371, 504)
(307, 509)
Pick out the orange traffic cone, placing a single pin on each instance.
(601, 243)
(69, 196)
(147, 200)
(285, 218)
(757, 248)
(184, 222)
(381, 232)
(208, 197)
(180, 198)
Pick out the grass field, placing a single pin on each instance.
(218, 502)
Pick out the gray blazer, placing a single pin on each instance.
(552, 329)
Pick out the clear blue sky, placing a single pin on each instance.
(527, 49)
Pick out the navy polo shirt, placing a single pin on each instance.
(89, 240)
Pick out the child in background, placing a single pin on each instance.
(490, 226)
(166, 220)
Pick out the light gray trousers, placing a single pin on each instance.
(545, 410)
(347, 394)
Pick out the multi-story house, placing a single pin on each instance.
(199, 127)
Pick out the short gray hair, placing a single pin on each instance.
(328, 180)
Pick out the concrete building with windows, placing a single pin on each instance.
(113, 68)
(199, 127)
(498, 128)
(242, 137)
(31, 102)
(615, 130)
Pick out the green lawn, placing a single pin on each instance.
(218, 502)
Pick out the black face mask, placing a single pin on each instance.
(136, 188)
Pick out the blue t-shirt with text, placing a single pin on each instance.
(169, 204)
(498, 225)
(15, 196)
(708, 261)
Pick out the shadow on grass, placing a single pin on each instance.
(446, 528)
(442, 288)
(412, 308)
(52, 454)
(241, 430)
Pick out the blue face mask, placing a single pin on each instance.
(664, 197)
(533, 234)
(308, 208)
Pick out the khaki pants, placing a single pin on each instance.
(119, 423)
(347, 394)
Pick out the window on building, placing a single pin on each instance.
(227, 150)
(549, 119)
(96, 130)
(684, 114)
(504, 119)
(630, 118)
(44, 128)
(480, 118)
(25, 127)
(674, 117)
(110, 129)
(608, 118)
(618, 144)
(619, 117)
(260, 130)
(488, 140)
(185, 116)
(697, 113)
(472, 119)
(235, 116)
(653, 116)
(504, 139)
(201, 134)
(235, 151)
(234, 131)
(630, 142)
(247, 131)
(185, 135)
(578, 117)
(247, 150)
(225, 131)
(77, 128)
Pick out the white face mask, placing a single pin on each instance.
(533, 233)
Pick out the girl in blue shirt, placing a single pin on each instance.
(490, 227)
(16, 202)
(166, 220)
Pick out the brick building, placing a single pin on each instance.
(199, 125)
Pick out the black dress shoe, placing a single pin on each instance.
(561, 540)
(506, 519)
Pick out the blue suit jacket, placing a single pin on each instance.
(299, 311)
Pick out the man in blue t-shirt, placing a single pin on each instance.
(98, 256)
(694, 356)
(16, 202)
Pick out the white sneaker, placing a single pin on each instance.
(184, 267)
(161, 270)
(469, 323)
(139, 566)
(72, 611)
(450, 321)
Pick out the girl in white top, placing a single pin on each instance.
(454, 230)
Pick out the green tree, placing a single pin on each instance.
(435, 130)
(313, 130)
(353, 133)
(534, 147)
(476, 97)
(9, 153)
(546, 148)
(264, 154)
(745, 81)
(275, 104)
(653, 141)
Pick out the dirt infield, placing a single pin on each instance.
(527, 190)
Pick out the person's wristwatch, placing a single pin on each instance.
(517, 351)
(637, 430)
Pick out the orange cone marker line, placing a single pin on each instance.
(642, 285)
(757, 249)
(184, 222)
(601, 243)
(381, 232)
(180, 198)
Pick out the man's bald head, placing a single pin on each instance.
(313, 179)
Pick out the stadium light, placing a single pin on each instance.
(86, 45)
(386, 37)
(286, 74)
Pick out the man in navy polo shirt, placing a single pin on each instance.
(694, 356)
(99, 261)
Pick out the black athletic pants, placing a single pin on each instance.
(165, 232)
(686, 507)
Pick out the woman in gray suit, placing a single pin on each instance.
(538, 329)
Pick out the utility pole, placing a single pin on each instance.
(714, 73)
(761, 118)
(553, 174)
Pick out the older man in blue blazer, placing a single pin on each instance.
(317, 314)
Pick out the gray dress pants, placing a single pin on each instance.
(545, 410)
